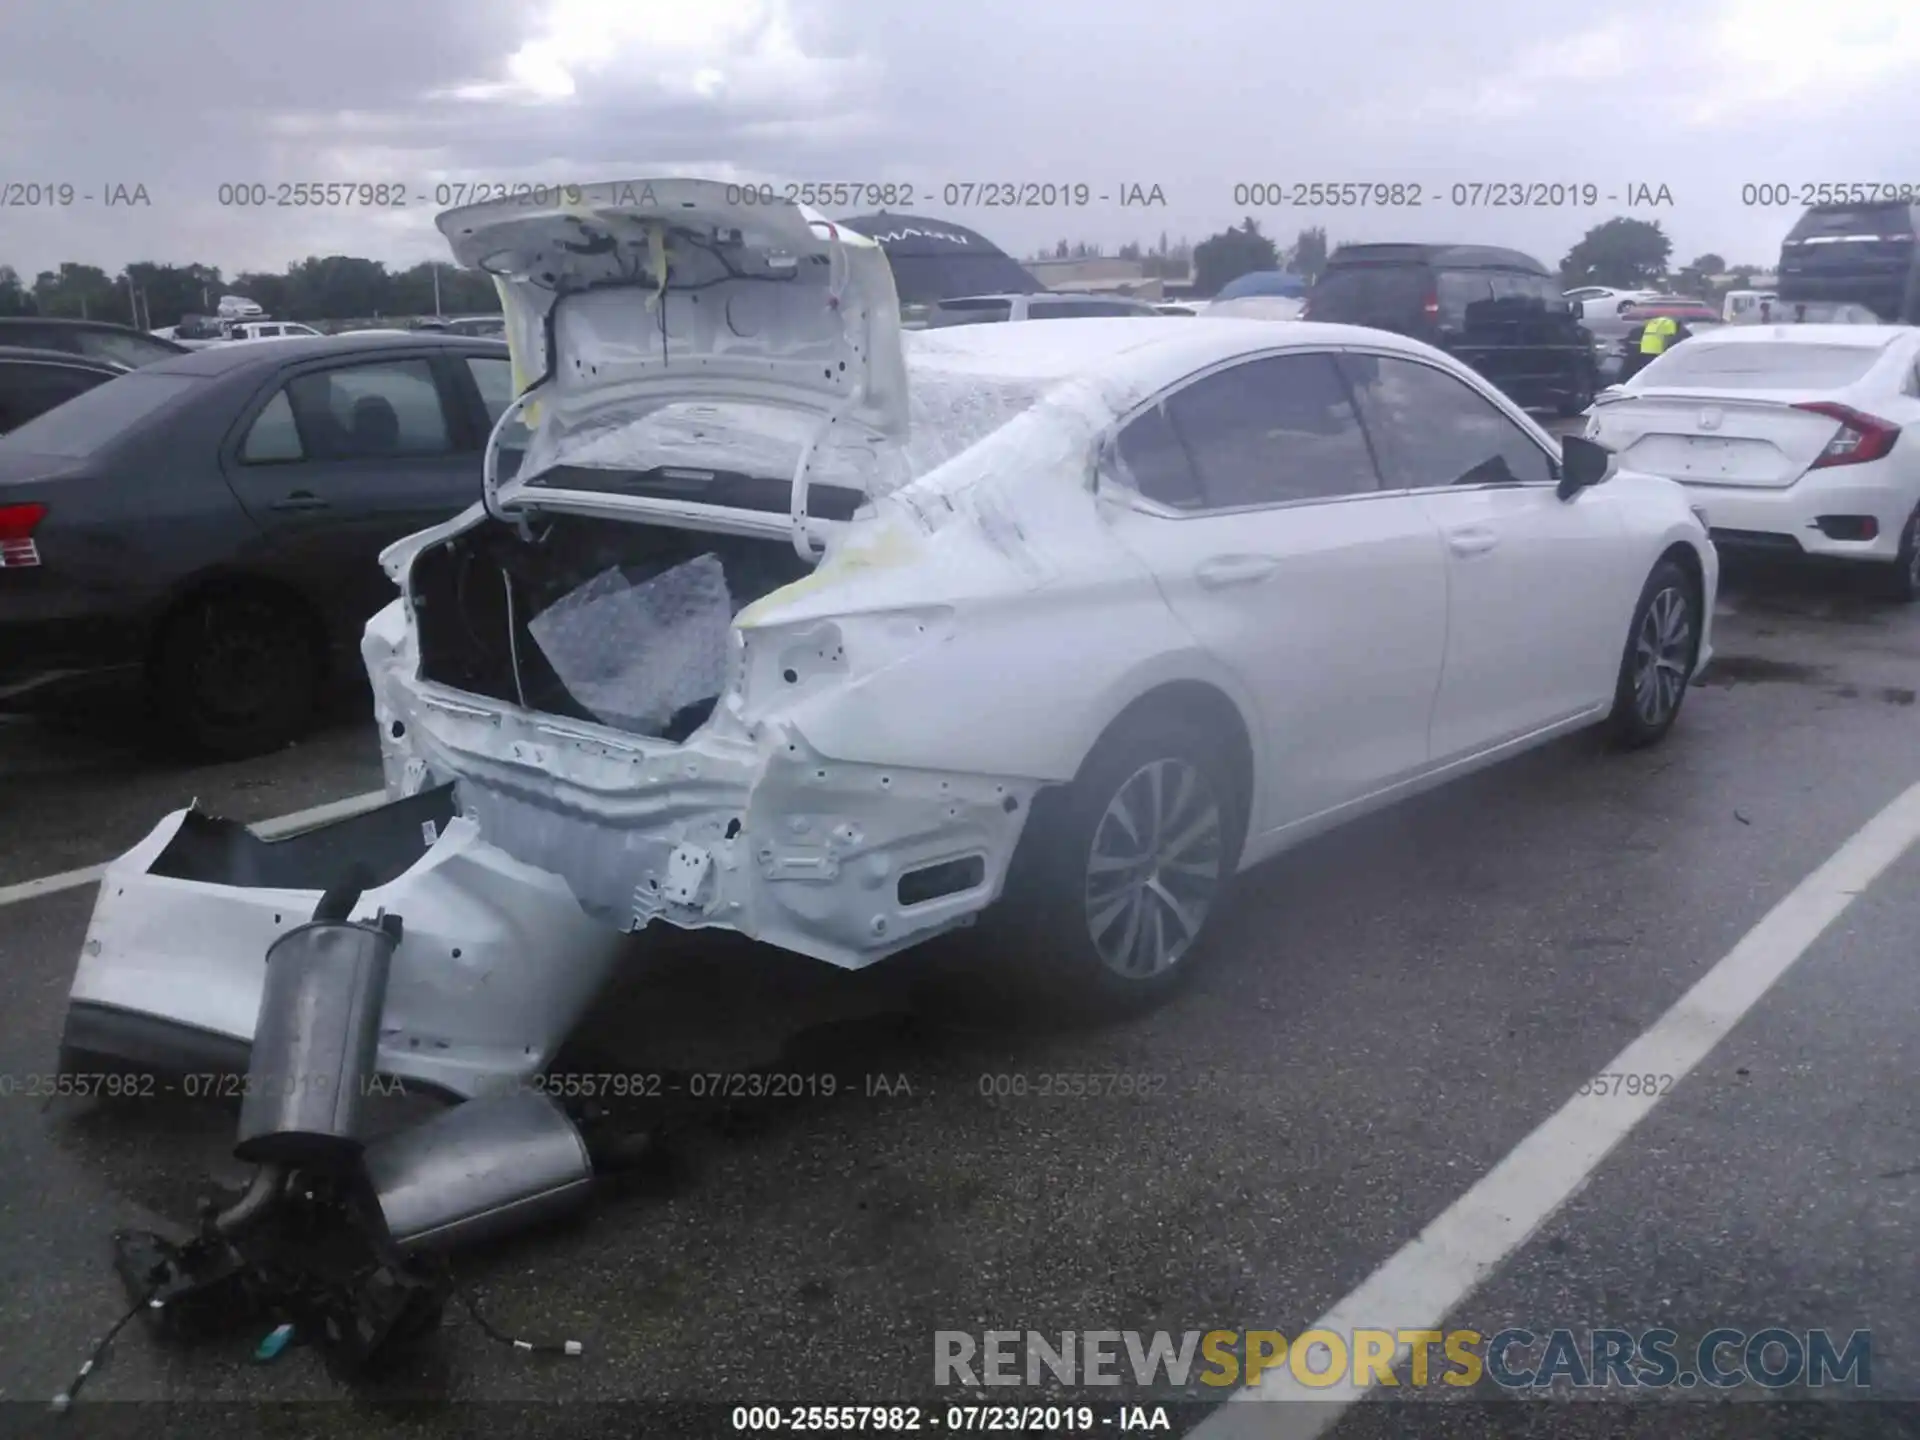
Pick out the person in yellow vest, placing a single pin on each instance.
(1650, 341)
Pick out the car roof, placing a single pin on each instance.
(14, 354)
(229, 358)
(67, 322)
(1490, 257)
(1153, 349)
(1860, 337)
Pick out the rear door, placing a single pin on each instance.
(1273, 541)
(1540, 590)
(1473, 326)
(339, 459)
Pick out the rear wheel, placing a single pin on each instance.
(1119, 874)
(237, 674)
(1901, 580)
(1662, 645)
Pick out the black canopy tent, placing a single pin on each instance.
(937, 259)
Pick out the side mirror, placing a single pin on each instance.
(1583, 465)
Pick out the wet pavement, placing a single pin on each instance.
(1385, 1014)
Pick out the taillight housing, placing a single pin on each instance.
(17, 548)
(1861, 438)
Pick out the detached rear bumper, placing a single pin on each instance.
(496, 964)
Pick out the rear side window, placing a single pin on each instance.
(969, 312)
(1275, 430)
(495, 381)
(28, 391)
(1388, 297)
(1763, 366)
(273, 437)
(360, 412)
(1158, 464)
(90, 422)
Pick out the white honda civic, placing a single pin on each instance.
(787, 623)
(1787, 436)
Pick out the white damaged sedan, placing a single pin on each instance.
(791, 624)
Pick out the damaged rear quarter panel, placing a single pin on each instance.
(962, 647)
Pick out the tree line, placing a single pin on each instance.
(1623, 251)
(320, 288)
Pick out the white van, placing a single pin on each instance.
(1745, 304)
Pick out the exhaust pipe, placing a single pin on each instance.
(477, 1171)
(316, 1040)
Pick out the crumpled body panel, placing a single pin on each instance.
(495, 966)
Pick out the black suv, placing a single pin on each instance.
(1855, 254)
(1497, 310)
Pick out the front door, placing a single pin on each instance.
(1540, 594)
(1274, 544)
(345, 458)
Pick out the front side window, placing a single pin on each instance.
(1270, 431)
(358, 412)
(1434, 429)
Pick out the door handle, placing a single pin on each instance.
(1225, 570)
(300, 500)
(1474, 541)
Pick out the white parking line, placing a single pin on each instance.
(274, 829)
(1433, 1273)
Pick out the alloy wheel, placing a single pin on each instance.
(1662, 651)
(1154, 868)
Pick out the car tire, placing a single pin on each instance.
(236, 674)
(1663, 644)
(1900, 581)
(1081, 887)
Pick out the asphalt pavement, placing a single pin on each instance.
(1384, 1015)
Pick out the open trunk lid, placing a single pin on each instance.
(625, 298)
(1703, 437)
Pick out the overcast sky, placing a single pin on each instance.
(1699, 96)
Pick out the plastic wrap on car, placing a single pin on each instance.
(634, 656)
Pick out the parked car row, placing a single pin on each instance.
(210, 524)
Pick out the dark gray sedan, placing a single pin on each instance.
(212, 523)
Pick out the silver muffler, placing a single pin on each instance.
(479, 1170)
(316, 1041)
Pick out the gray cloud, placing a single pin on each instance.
(1695, 95)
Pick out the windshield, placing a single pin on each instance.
(1762, 366)
(90, 422)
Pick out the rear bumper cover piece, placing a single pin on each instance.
(496, 965)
